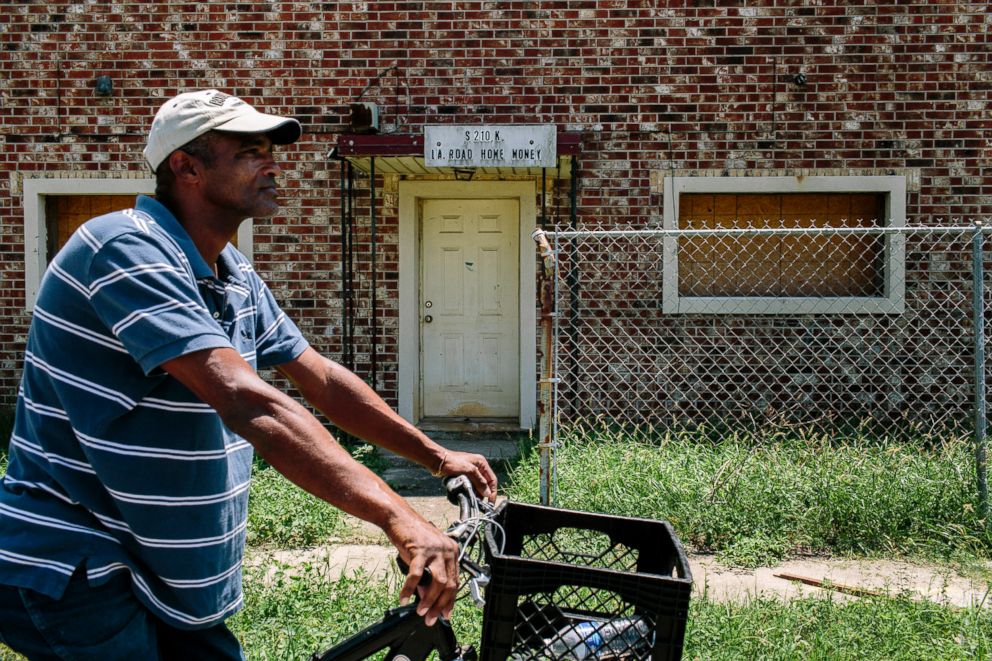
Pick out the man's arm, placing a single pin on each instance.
(354, 407)
(289, 438)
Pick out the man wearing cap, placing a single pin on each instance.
(123, 510)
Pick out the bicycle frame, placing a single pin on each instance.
(404, 633)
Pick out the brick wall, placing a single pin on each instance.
(894, 87)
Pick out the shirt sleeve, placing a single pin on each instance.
(148, 298)
(277, 338)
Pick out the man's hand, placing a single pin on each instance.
(422, 546)
(476, 468)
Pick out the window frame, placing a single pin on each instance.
(892, 300)
(37, 189)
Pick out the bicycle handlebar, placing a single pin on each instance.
(471, 511)
(402, 631)
(470, 508)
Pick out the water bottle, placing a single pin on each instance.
(575, 641)
(623, 637)
(611, 639)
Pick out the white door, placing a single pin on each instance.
(469, 326)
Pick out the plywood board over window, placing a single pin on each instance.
(56, 205)
(65, 213)
(770, 245)
(780, 265)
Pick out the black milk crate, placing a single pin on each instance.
(553, 568)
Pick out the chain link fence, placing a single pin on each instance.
(840, 328)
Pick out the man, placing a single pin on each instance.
(122, 514)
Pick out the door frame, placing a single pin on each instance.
(411, 192)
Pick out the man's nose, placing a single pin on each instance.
(271, 167)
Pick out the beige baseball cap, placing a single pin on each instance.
(191, 114)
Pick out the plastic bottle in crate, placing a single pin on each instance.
(575, 641)
(623, 638)
(613, 639)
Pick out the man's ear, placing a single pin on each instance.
(184, 167)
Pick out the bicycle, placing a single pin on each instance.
(401, 630)
(554, 584)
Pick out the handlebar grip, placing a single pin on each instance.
(455, 486)
(425, 578)
(462, 493)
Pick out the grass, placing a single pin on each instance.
(818, 628)
(755, 499)
(752, 499)
(301, 612)
(6, 428)
(281, 514)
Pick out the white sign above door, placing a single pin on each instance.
(487, 146)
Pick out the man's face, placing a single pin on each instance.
(242, 175)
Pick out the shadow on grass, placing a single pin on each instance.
(6, 428)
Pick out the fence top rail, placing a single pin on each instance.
(583, 234)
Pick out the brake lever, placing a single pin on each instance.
(475, 587)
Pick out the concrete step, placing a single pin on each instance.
(493, 449)
(496, 446)
(408, 478)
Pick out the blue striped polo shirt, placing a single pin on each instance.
(114, 464)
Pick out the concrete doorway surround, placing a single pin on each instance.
(412, 195)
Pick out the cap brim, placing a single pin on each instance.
(281, 130)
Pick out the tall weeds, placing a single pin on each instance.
(758, 496)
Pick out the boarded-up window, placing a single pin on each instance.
(65, 213)
(799, 265)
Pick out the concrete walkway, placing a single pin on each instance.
(842, 579)
(368, 551)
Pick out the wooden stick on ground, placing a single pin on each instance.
(830, 585)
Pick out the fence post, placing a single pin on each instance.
(546, 405)
(981, 421)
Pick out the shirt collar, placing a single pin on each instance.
(168, 222)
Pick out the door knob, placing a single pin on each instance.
(428, 319)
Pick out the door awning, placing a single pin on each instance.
(404, 154)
